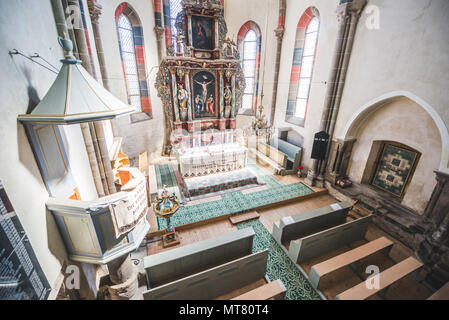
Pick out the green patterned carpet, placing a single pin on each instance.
(232, 202)
(279, 265)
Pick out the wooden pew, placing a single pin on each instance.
(386, 278)
(442, 294)
(297, 226)
(317, 244)
(293, 153)
(176, 263)
(214, 282)
(272, 290)
(318, 271)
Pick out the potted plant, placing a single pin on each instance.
(300, 170)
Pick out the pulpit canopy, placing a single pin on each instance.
(75, 97)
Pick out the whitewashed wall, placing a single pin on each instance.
(408, 53)
(28, 26)
(326, 41)
(147, 135)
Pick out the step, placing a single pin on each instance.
(362, 210)
(244, 217)
(353, 215)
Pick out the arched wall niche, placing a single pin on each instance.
(362, 114)
(402, 120)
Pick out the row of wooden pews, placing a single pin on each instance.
(210, 269)
(322, 232)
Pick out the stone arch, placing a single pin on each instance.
(364, 112)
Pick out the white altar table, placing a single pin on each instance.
(201, 161)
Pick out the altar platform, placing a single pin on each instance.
(222, 205)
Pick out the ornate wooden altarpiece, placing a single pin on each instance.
(200, 81)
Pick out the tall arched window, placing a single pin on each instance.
(171, 10)
(132, 52)
(250, 42)
(302, 68)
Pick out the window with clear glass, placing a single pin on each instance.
(175, 9)
(307, 62)
(249, 68)
(128, 52)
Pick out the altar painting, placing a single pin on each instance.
(204, 95)
(202, 31)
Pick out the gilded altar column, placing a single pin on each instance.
(221, 95)
(233, 96)
(217, 35)
(189, 19)
(189, 103)
(174, 93)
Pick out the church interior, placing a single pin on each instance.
(224, 150)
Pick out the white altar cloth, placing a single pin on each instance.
(201, 161)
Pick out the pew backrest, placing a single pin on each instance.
(317, 244)
(214, 282)
(175, 263)
(294, 227)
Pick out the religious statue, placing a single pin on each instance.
(229, 47)
(180, 44)
(183, 96)
(227, 95)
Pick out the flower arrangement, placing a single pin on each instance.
(300, 169)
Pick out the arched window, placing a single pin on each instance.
(250, 42)
(132, 52)
(302, 69)
(171, 10)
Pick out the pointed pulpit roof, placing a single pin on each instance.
(76, 97)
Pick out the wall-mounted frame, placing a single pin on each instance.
(390, 167)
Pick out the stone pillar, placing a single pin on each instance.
(123, 275)
(432, 247)
(348, 16)
(339, 156)
(279, 37)
(80, 36)
(158, 29)
(95, 12)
